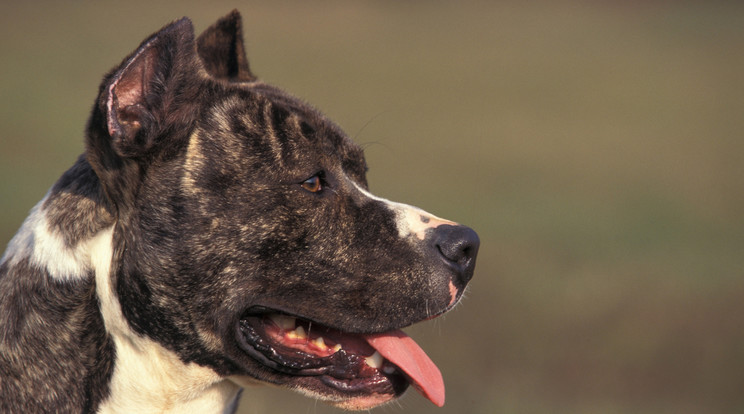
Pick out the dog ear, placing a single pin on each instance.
(149, 92)
(222, 51)
(146, 108)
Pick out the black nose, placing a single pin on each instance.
(458, 245)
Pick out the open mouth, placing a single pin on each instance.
(356, 370)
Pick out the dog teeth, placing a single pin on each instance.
(337, 348)
(284, 322)
(374, 360)
(298, 333)
(388, 369)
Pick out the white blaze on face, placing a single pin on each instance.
(410, 220)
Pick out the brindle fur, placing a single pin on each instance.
(195, 165)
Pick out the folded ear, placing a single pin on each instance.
(222, 51)
(149, 92)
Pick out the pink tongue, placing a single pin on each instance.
(401, 350)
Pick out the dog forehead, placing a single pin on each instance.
(260, 124)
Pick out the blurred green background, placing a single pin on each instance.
(595, 146)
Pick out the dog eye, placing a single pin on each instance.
(313, 184)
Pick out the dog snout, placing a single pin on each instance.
(458, 245)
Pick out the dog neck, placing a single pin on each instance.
(148, 378)
(67, 242)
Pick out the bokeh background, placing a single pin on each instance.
(596, 146)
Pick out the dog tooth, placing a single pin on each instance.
(284, 322)
(374, 360)
(388, 369)
(320, 343)
(337, 348)
(298, 333)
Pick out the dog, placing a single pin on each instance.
(218, 232)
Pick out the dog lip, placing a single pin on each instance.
(345, 371)
(260, 337)
(257, 348)
(262, 310)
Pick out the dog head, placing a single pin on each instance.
(247, 239)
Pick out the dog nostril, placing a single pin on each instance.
(454, 251)
(458, 245)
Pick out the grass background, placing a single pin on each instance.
(595, 146)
